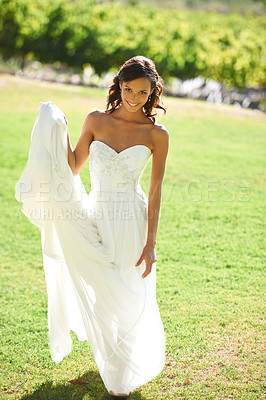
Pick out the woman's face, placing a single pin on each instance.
(135, 93)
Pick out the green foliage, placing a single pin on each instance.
(228, 48)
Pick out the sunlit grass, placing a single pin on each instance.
(210, 243)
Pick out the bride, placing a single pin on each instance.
(99, 248)
(127, 122)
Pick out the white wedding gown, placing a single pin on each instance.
(90, 244)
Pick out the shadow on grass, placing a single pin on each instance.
(93, 390)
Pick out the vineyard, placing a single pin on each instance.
(227, 48)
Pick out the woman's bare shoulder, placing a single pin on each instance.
(96, 114)
(160, 133)
(95, 117)
(160, 139)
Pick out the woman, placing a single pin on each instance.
(128, 123)
(135, 92)
(99, 249)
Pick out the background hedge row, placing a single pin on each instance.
(227, 48)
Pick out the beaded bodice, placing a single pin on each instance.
(109, 168)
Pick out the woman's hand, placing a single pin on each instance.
(148, 254)
(64, 115)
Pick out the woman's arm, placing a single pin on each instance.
(160, 150)
(78, 157)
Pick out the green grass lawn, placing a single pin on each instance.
(210, 244)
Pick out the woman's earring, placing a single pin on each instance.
(149, 97)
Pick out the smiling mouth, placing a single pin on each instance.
(132, 104)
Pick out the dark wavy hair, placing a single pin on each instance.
(138, 67)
